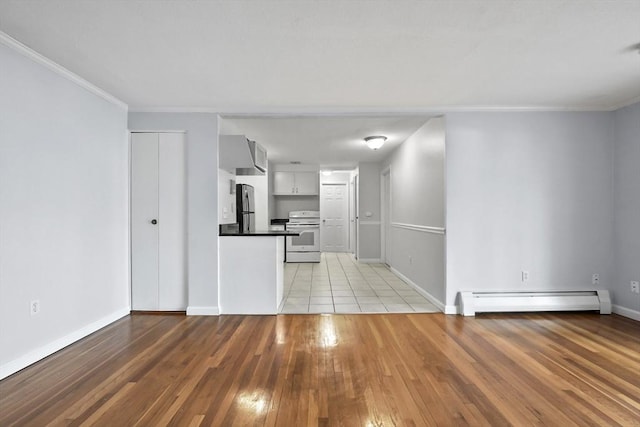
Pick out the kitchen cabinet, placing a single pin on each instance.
(255, 286)
(295, 183)
(158, 221)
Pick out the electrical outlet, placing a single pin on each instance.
(595, 279)
(34, 307)
(635, 286)
(525, 276)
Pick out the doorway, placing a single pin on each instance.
(334, 211)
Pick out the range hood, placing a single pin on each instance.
(239, 155)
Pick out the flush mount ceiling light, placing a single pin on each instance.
(375, 142)
(327, 172)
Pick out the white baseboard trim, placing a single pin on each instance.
(370, 260)
(48, 349)
(626, 312)
(451, 309)
(203, 311)
(433, 300)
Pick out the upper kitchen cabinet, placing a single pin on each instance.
(241, 156)
(295, 183)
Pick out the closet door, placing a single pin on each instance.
(172, 280)
(144, 211)
(158, 222)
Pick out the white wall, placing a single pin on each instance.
(286, 204)
(418, 201)
(272, 199)
(528, 191)
(627, 208)
(226, 197)
(202, 203)
(336, 177)
(369, 198)
(63, 211)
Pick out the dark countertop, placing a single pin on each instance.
(232, 230)
(261, 233)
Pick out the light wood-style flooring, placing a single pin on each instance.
(350, 370)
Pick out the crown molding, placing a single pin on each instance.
(626, 103)
(24, 50)
(301, 111)
(371, 111)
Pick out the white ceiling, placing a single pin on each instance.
(334, 56)
(331, 142)
(258, 57)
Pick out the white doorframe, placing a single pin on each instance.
(352, 216)
(385, 210)
(356, 195)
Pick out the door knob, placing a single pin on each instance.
(154, 221)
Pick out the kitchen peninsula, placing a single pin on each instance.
(251, 270)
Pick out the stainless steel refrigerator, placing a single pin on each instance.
(245, 208)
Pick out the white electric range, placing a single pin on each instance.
(306, 246)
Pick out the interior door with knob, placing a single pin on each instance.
(158, 221)
(334, 210)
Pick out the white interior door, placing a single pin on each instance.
(144, 210)
(158, 221)
(335, 218)
(172, 202)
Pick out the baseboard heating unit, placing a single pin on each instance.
(485, 302)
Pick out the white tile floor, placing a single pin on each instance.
(339, 284)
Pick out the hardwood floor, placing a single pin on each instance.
(360, 370)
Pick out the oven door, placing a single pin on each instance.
(307, 241)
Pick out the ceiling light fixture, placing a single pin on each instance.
(375, 142)
(327, 172)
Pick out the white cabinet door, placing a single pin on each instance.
(283, 183)
(158, 194)
(306, 183)
(172, 280)
(295, 183)
(144, 210)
